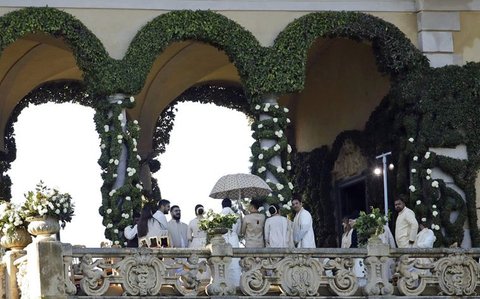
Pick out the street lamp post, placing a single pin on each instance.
(383, 156)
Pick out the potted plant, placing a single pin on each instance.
(13, 227)
(370, 225)
(215, 223)
(44, 208)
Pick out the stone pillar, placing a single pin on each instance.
(45, 273)
(276, 160)
(221, 257)
(376, 264)
(122, 165)
(8, 275)
(435, 33)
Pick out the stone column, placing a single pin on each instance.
(45, 273)
(276, 160)
(436, 25)
(8, 275)
(221, 257)
(376, 264)
(122, 165)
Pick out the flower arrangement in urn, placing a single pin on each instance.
(13, 227)
(370, 225)
(44, 202)
(214, 222)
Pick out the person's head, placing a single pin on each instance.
(164, 206)
(273, 209)
(226, 203)
(400, 203)
(346, 224)
(199, 210)
(145, 215)
(175, 212)
(254, 205)
(297, 204)
(422, 225)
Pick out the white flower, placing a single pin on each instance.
(120, 117)
(434, 206)
(139, 187)
(119, 136)
(288, 120)
(117, 242)
(372, 215)
(280, 169)
(290, 185)
(434, 213)
(424, 219)
(64, 210)
(126, 216)
(134, 149)
(103, 146)
(106, 128)
(427, 155)
(265, 109)
(116, 162)
(432, 226)
(279, 186)
(411, 139)
(135, 122)
(285, 109)
(418, 202)
(109, 225)
(115, 231)
(285, 206)
(437, 227)
(109, 211)
(110, 161)
(114, 175)
(289, 148)
(276, 147)
(276, 106)
(139, 158)
(415, 158)
(128, 198)
(119, 102)
(257, 107)
(413, 170)
(132, 99)
(267, 104)
(267, 213)
(268, 181)
(427, 177)
(261, 169)
(112, 192)
(412, 188)
(280, 197)
(435, 184)
(260, 126)
(429, 171)
(119, 141)
(275, 119)
(260, 157)
(289, 167)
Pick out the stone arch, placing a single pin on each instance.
(394, 53)
(240, 45)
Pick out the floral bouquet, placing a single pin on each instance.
(214, 221)
(368, 225)
(11, 217)
(48, 202)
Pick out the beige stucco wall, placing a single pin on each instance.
(467, 40)
(343, 87)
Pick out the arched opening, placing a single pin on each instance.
(58, 143)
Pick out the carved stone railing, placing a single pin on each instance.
(56, 270)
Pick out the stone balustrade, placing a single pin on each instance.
(111, 272)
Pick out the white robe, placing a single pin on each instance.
(406, 228)
(234, 271)
(278, 232)
(161, 218)
(425, 239)
(303, 230)
(197, 238)
(178, 233)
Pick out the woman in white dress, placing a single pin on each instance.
(197, 238)
(278, 229)
(148, 229)
(234, 270)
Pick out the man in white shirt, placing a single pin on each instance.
(163, 209)
(406, 226)
(177, 229)
(303, 235)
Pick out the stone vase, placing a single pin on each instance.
(16, 240)
(43, 227)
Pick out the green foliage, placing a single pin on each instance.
(369, 225)
(214, 220)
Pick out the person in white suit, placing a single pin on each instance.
(303, 235)
(278, 229)
(406, 226)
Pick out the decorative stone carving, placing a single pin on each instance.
(221, 257)
(22, 279)
(17, 240)
(344, 283)
(187, 284)
(43, 228)
(299, 275)
(457, 275)
(409, 283)
(69, 285)
(94, 281)
(143, 273)
(350, 161)
(253, 281)
(376, 265)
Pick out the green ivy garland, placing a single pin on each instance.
(118, 205)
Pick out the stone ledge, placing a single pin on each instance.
(442, 21)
